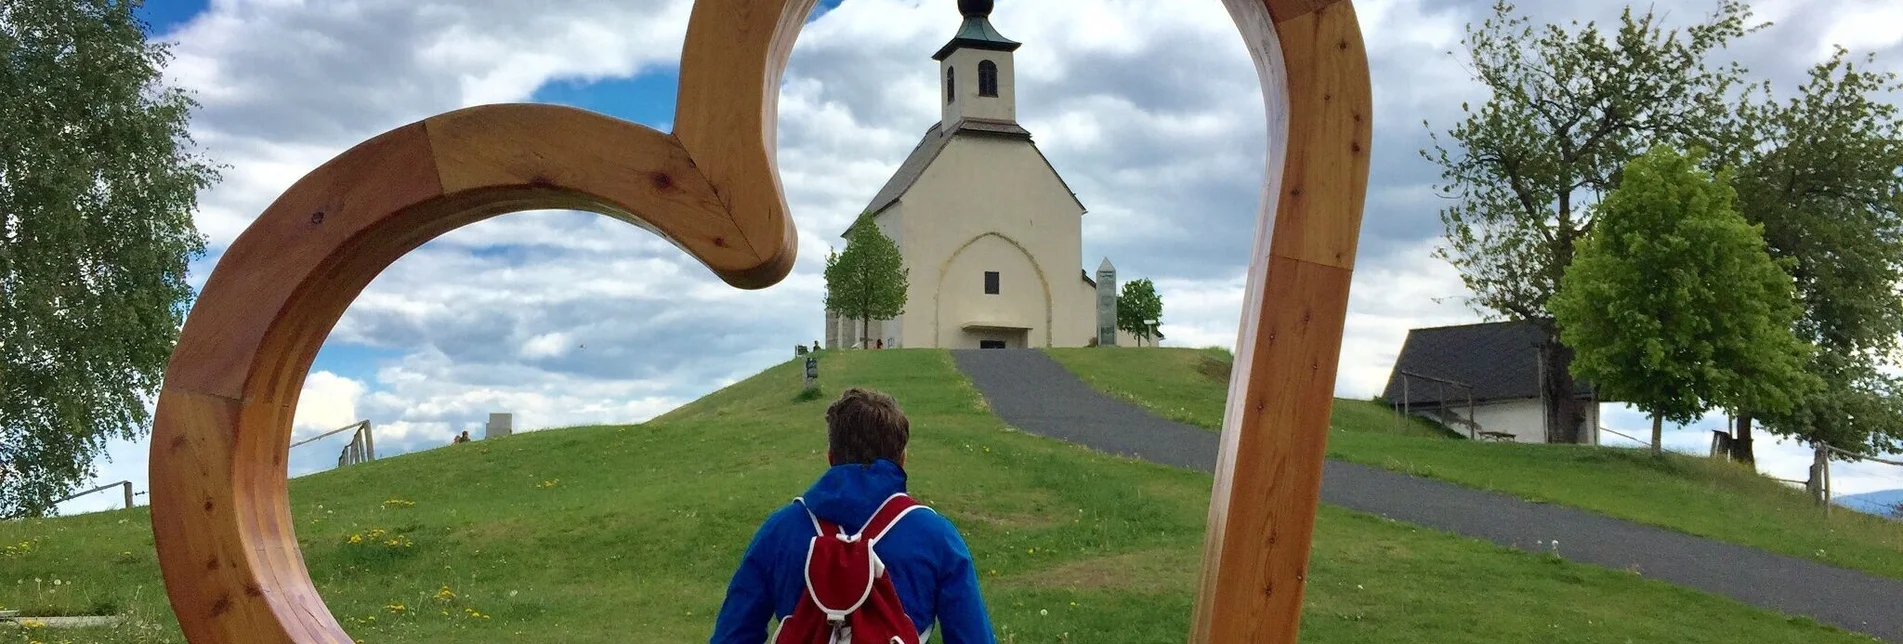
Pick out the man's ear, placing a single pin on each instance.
(829, 457)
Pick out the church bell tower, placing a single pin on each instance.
(974, 74)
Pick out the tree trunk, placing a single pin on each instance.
(1658, 435)
(1741, 443)
(865, 332)
(1820, 460)
(1564, 414)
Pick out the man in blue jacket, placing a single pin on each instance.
(926, 558)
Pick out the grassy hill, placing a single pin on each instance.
(628, 535)
(1699, 496)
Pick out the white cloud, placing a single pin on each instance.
(1860, 26)
(328, 401)
(1406, 290)
(1150, 110)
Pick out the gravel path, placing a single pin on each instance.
(1034, 393)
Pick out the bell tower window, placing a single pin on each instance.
(951, 84)
(987, 78)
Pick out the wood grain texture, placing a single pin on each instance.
(727, 113)
(1315, 77)
(220, 509)
(221, 517)
(1285, 10)
(1323, 190)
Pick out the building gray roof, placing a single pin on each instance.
(1500, 360)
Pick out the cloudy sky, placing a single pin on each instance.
(1150, 110)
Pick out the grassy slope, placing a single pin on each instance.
(1695, 495)
(628, 534)
(1189, 386)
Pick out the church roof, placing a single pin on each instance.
(927, 151)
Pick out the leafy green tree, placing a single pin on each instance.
(97, 189)
(1137, 305)
(868, 281)
(1820, 174)
(1673, 304)
(1567, 111)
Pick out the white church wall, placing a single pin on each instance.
(965, 100)
(993, 186)
(1022, 300)
(892, 332)
(1079, 330)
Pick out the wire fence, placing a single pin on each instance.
(1880, 481)
(126, 487)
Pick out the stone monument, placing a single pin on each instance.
(1106, 304)
(500, 425)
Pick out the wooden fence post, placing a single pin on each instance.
(1819, 461)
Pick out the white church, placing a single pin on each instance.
(991, 235)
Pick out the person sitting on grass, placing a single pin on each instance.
(925, 558)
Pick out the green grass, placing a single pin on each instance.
(629, 534)
(1700, 496)
(1190, 386)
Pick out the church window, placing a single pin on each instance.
(991, 282)
(951, 84)
(987, 78)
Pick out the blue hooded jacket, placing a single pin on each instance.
(926, 558)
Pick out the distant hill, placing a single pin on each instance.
(1884, 503)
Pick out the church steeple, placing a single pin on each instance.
(975, 69)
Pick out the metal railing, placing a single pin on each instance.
(1402, 408)
(362, 447)
(1623, 435)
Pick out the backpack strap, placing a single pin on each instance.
(821, 527)
(888, 515)
(894, 507)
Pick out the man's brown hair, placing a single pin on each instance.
(864, 426)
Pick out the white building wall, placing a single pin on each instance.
(993, 204)
(966, 102)
(1525, 419)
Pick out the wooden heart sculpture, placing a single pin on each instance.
(220, 509)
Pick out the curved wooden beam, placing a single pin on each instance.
(1316, 87)
(220, 508)
(220, 512)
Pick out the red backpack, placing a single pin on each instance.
(849, 597)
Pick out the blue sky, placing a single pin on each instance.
(1151, 111)
(165, 15)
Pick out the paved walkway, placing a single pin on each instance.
(1034, 393)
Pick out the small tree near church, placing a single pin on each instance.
(868, 281)
(1137, 306)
